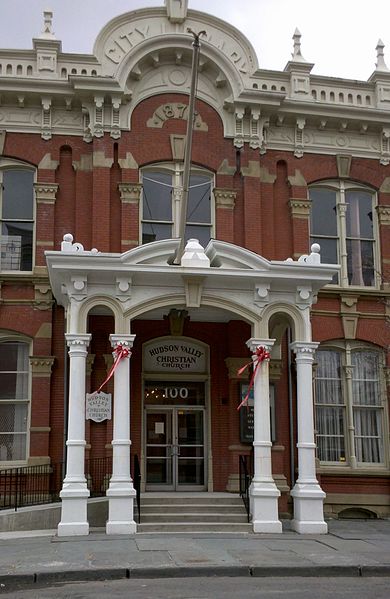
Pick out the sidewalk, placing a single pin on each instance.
(352, 548)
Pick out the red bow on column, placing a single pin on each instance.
(261, 355)
(120, 352)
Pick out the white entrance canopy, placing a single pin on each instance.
(222, 278)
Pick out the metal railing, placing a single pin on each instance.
(245, 470)
(37, 485)
(29, 485)
(137, 486)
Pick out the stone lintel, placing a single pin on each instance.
(225, 169)
(128, 162)
(47, 163)
(85, 164)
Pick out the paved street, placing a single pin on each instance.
(355, 550)
(216, 588)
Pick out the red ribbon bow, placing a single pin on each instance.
(261, 355)
(120, 352)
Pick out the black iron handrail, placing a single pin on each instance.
(137, 486)
(245, 481)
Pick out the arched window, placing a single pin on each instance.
(14, 400)
(343, 223)
(350, 406)
(161, 201)
(16, 216)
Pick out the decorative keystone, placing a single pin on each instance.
(194, 255)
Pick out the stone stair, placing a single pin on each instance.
(192, 512)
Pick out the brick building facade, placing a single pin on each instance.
(93, 145)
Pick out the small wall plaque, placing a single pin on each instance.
(98, 406)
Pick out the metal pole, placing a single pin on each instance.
(188, 146)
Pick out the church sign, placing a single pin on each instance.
(177, 355)
(98, 406)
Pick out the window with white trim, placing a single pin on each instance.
(350, 406)
(343, 223)
(16, 216)
(161, 202)
(14, 400)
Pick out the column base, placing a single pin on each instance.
(309, 528)
(121, 509)
(267, 527)
(264, 507)
(73, 529)
(308, 509)
(121, 528)
(74, 520)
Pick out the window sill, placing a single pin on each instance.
(354, 472)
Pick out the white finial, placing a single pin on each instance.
(380, 57)
(297, 55)
(47, 32)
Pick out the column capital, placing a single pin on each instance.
(125, 340)
(130, 193)
(78, 343)
(304, 350)
(253, 343)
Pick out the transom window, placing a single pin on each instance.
(350, 406)
(16, 218)
(161, 202)
(14, 400)
(342, 222)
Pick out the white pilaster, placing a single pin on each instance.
(307, 493)
(121, 491)
(74, 493)
(263, 491)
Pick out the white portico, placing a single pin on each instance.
(222, 277)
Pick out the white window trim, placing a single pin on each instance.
(4, 337)
(361, 468)
(176, 170)
(8, 163)
(340, 186)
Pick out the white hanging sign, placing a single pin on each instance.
(98, 406)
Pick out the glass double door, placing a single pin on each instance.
(175, 448)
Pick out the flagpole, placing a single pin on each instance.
(188, 146)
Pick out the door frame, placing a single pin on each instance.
(173, 412)
(208, 461)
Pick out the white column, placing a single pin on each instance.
(121, 491)
(263, 491)
(74, 493)
(307, 493)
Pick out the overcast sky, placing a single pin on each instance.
(339, 36)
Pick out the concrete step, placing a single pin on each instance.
(206, 527)
(179, 518)
(191, 508)
(182, 498)
(192, 512)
